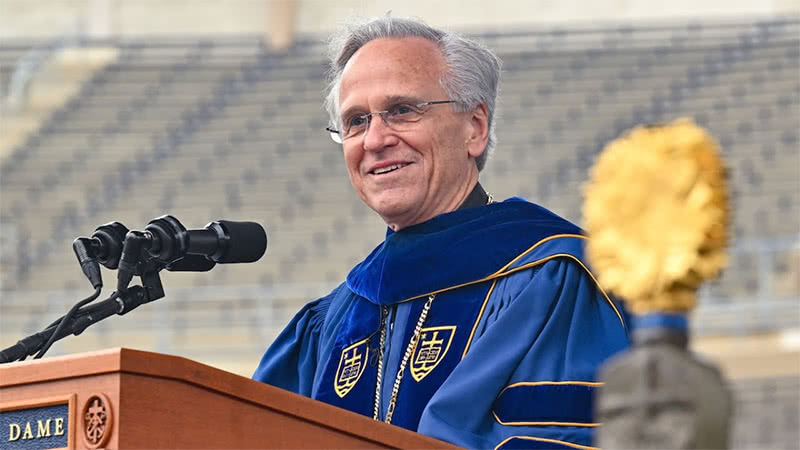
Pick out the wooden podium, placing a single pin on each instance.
(122, 398)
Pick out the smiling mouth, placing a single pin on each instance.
(388, 169)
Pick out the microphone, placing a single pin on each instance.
(223, 241)
(166, 240)
(104, 247)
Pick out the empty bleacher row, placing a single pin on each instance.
(209, 129)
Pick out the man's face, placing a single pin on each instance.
(434, 158)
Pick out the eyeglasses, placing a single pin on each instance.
(399, 117)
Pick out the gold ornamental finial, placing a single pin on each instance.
(656, 211)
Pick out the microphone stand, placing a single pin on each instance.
(119, 303)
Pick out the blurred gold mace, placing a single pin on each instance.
(656, 211)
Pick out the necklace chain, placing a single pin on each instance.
(412, 345)
(376, 409)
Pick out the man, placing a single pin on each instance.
(474, 322)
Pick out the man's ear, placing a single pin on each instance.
(478, 131)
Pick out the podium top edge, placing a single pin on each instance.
(118, 359)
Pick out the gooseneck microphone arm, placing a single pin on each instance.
(43, 339)
(116, 304)
(80, 316)
(66, 319)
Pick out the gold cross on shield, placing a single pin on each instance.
(352, 363)
(432, 348)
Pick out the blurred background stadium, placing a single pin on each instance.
(115, 110)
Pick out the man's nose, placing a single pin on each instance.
(377, 135)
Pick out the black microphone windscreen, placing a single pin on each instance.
(247, 242)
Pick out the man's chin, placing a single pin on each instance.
(395, 211)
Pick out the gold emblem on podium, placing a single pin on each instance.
(433, 345)
(351, 365)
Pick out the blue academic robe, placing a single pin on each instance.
(508, 353)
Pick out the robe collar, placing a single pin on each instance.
(452, 249)
(478, 197)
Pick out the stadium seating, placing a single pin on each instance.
(227, 128)
(210, 128)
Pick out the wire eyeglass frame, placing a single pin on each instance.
(391, 121)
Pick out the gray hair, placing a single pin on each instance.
(473, 71)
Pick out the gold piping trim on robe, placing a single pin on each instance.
(545, 424)
(477, 321)
(552, 441)
(527, 266)
(549, 383)
(548, 238)
(500, 273)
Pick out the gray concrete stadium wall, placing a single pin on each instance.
(40, 19)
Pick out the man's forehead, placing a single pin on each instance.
(406, 61)
(413, 49)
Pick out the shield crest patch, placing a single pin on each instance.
(351, 365)
(434, 342)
